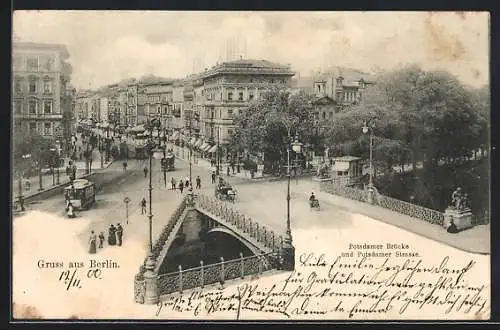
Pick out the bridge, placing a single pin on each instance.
(251, 247)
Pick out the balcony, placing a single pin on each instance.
(40, 116)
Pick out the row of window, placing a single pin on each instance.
(350, 96)
(45, 128)
(218, 113)
(323, 115)
(210, 131)
(232, 96)
(33, 86)
(35, 107)
(34, 63)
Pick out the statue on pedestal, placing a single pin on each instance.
(459, 200)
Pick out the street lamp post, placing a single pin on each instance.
(58, 159)
(101, 149)
(40, 177)
(288, 249)
(20, 183)
(369, 129)
(152, 295)
(297, 148)
(52, 165)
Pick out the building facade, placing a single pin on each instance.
(41, 94)
(230, 87)
(345, 86)
(158, 96)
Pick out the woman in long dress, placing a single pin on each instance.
(111, 236)
(92, 243)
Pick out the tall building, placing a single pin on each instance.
(159, 101)
(41, 97)
(230, 87)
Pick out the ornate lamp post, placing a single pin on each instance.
(101, 149)
(20, 183)
(40, 177)
(58, 146)
(152, 295)
(297, 148)
(369, 129)
(52, 164)
(288, 249)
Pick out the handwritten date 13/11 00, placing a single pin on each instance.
(71, 279)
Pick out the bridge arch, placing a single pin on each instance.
(226, 231)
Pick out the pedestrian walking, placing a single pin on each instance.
(181, 186)
(186, 185)
(143, 205)
(119, 234)
(111, 235)
(146, 171)
(124, 166)
(101, 239)
(92, 243)
(198, 182)
(228, 171)
(213, 176)
(232, 166)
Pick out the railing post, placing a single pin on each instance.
(242, 265)
(180, 279)
(202, 280)
(222, 275)
(272, 240)
(250, 226)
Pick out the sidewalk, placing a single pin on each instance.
(474, 240)
(47, 181)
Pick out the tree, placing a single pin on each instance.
(31, 143)
(263, 127)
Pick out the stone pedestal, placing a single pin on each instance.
(288, 257)
(152, 295)
(461, 218)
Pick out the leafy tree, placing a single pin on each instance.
(263, 128)
(29, 143)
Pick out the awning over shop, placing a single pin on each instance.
(213, 149)
(204, 145)
(198, 143)
(139, 128)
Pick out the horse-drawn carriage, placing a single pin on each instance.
(224, 191)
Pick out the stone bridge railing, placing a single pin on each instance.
(140, 284)
(396, 205)
(149, 285)
(262, 235)
(217, 273)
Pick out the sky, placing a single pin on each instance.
(108, 46)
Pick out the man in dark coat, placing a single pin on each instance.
(181, 186)
(119, 234)
(198, 182)
(111, 235)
